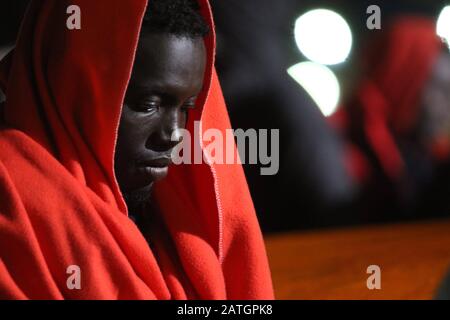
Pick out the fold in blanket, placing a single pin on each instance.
(60, 204)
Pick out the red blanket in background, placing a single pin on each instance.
(60, 204)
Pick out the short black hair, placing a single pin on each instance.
(178, 17)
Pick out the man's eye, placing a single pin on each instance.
(148, 106)
(189, 105)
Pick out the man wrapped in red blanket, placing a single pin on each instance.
(87, 131)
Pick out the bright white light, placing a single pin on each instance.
(320, 83)
(443, 24)
(323, 36)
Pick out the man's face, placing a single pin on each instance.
(166, 80)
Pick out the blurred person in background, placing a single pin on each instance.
(397, 123)
(255, 48)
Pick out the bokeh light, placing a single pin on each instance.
(323, 36)
(443, 25)
(321, 84)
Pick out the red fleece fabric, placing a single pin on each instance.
(386, 102)
(60, 204)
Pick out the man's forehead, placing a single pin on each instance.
(169, 63)
(157, 44)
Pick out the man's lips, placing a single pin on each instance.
(156, 169)
(156, 163)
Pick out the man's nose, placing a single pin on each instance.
(167, 136)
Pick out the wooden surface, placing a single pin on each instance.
(413, 259)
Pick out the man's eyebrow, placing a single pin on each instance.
(163, 92)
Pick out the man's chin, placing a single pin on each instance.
(137, 198)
